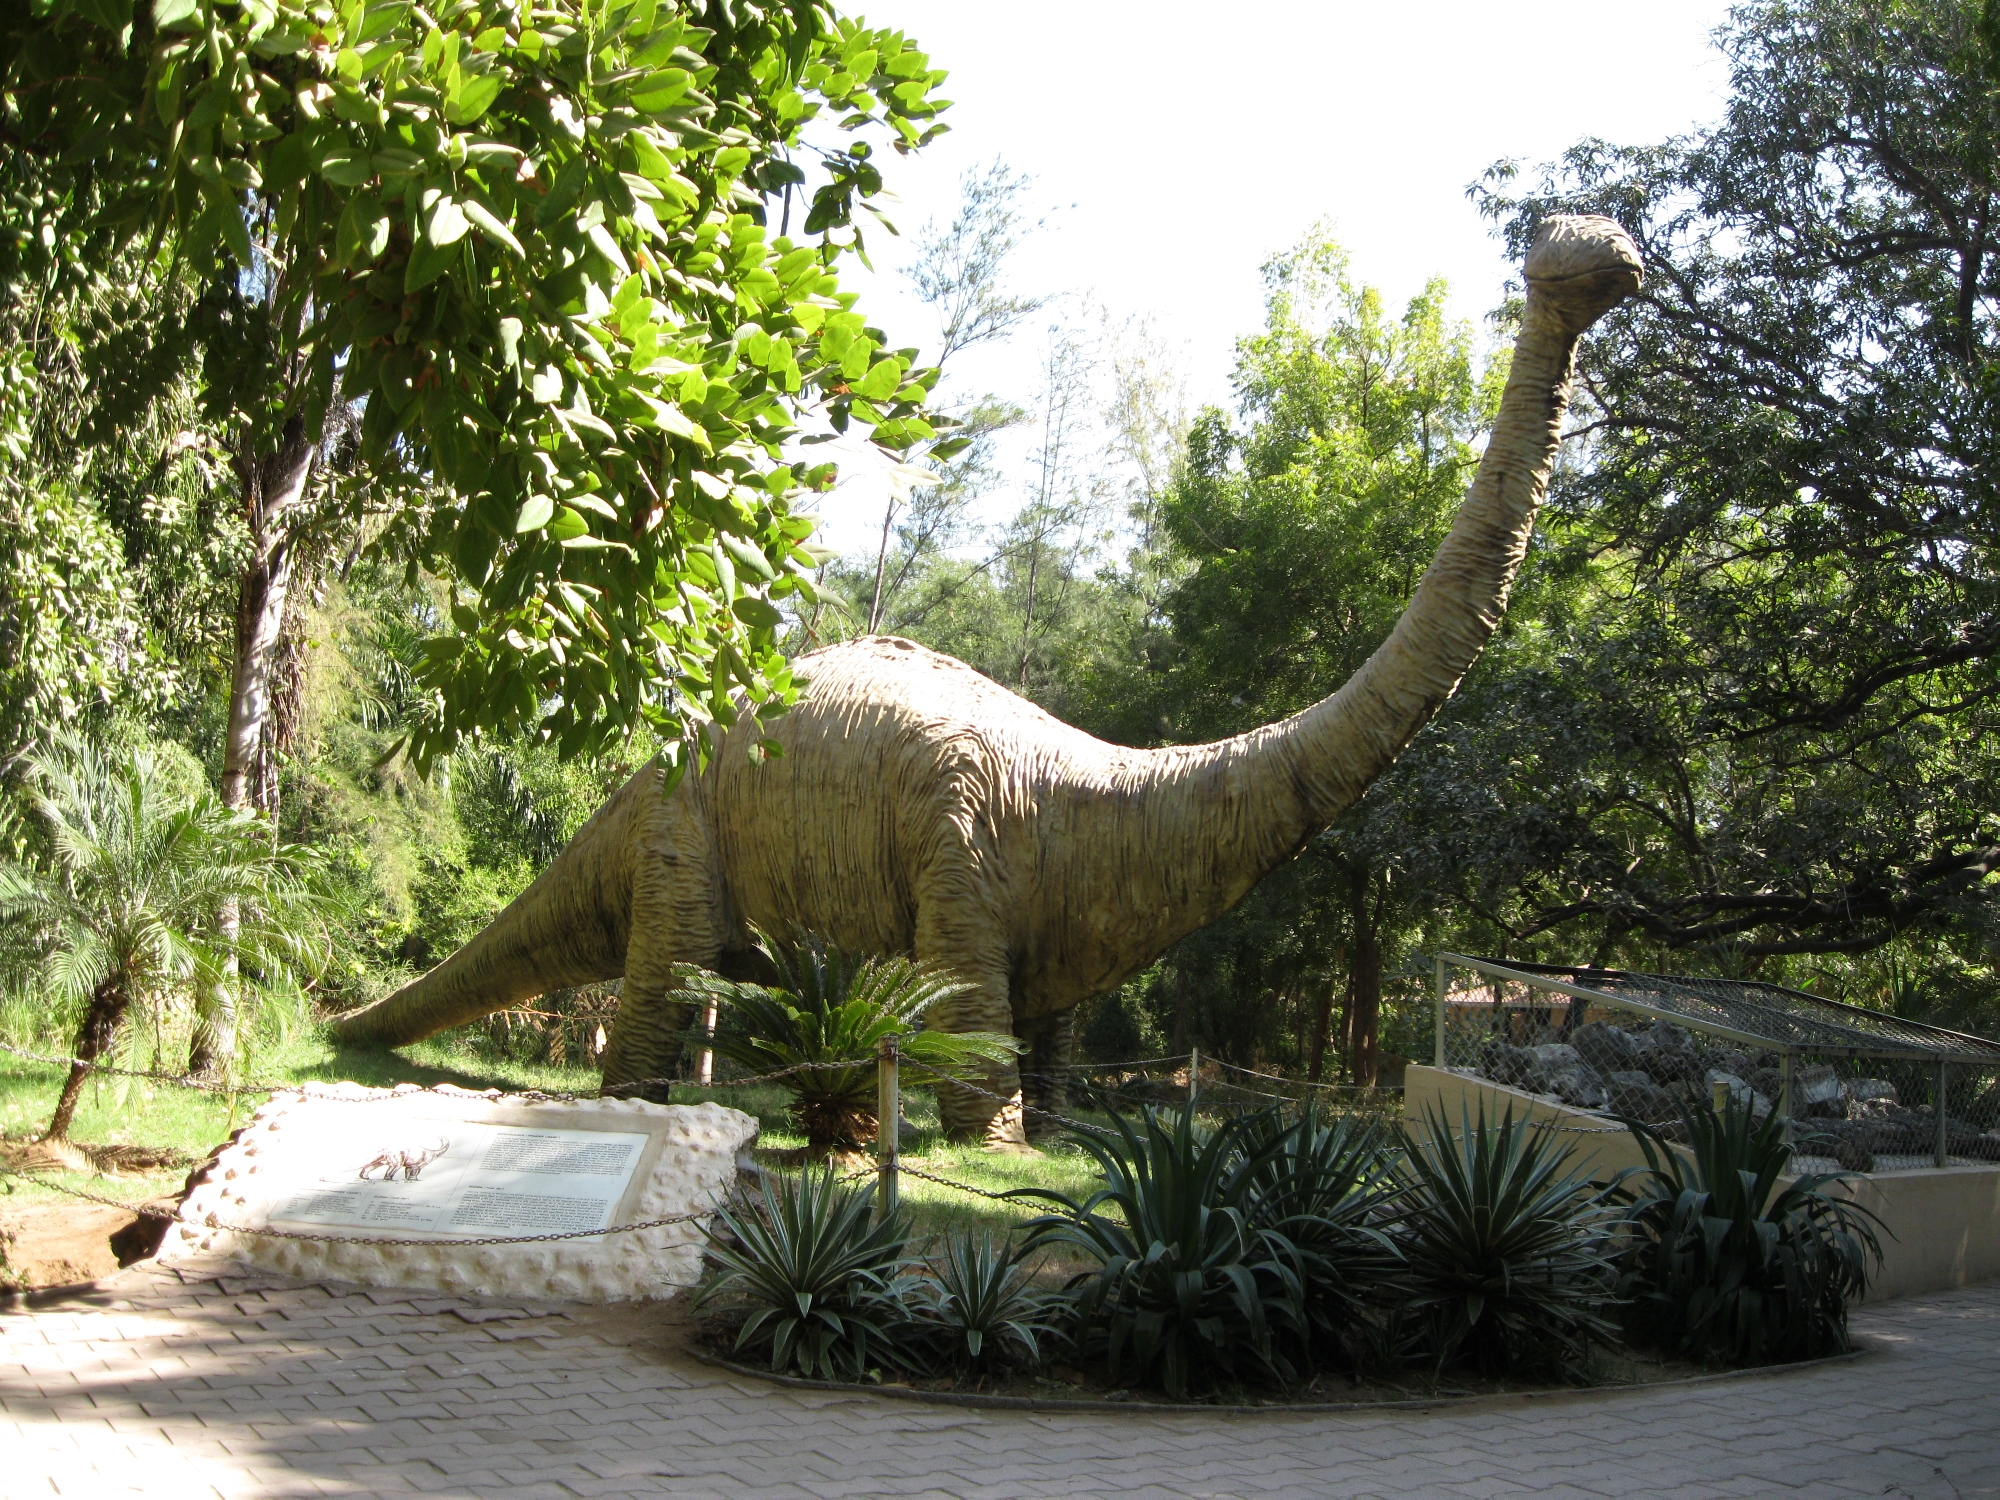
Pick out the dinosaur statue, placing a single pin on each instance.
(922, 808)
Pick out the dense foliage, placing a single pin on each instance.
(1264, 1251)
(127, 912)
(533, 249)
(1724, 1265)
(825, 1283)
(821, 1023)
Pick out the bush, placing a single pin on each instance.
(982, 1306)
(1186, 1284)
(828, 1011)
(824, 1287)
(1327, 1187)
(1505, 1251)
(1722, 1265)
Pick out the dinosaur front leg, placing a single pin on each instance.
(972, 949)
(1051, 1043)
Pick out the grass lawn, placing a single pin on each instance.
(119, 1111)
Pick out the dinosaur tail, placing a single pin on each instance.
(570, 927)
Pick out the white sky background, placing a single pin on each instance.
(1175, 147)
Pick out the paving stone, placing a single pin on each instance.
(177, 1382)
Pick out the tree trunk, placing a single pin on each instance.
(1322, 1030)
(100, 1023)
(273, 486)
(881, 565)
(1367, 982)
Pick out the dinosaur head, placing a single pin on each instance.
(1580, 267)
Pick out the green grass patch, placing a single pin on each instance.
(124, 1111)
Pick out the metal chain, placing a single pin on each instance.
(560, 1096)
(1022, 1104)
(1297, 1083)
(150, 1211)
(963, 1187)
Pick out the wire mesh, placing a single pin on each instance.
(1863, 1091)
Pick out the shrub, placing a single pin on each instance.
(1505, 1250)
(1326, 1185)
(1185, 1283)
(827, 1289)
(831, 1009)
(1722, 1264)
(982, 1306)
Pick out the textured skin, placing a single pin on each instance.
(920, 807)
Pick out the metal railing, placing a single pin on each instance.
(1859, 1090)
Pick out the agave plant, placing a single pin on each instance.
(1505, 1248)
(1723, 1263)
(829, 1011)
(983, 1306)
(1185, 1282)
(826, 1287)
(1326, 1185)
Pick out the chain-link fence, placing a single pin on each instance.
(1861, 1090)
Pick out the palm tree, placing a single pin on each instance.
(121, 908)
(829, 1011)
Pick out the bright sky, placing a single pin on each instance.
(1176, 146)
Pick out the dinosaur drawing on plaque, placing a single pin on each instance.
(409, 1163)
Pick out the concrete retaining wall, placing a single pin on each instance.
(1943, 1226)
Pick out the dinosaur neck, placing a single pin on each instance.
(1243, 806)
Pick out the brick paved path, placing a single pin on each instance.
(192, 1383)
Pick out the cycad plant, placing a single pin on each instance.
(826, 1016)
(1722, 1263)
(121, 907)
(827, 1285)
(1505, 1248)
(1186, 1283)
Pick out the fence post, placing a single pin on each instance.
(1787, 1063)
(705, 1064)
(888, 1125)
(1441, 982)
(1943, 1140)
(1194, 1076)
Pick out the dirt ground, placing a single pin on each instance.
(54, 1244)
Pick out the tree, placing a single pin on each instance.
(533, 247)
(959, 273)
(1302, 534)
(122, 908)
(1791, 464)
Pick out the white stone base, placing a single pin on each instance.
(689, 1163)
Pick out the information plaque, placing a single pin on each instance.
(590, 1200)
(463, 1179)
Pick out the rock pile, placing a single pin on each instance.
(1648, 1073)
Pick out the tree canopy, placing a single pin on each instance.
(533, 246)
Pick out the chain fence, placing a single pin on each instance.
(1214, 1086)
